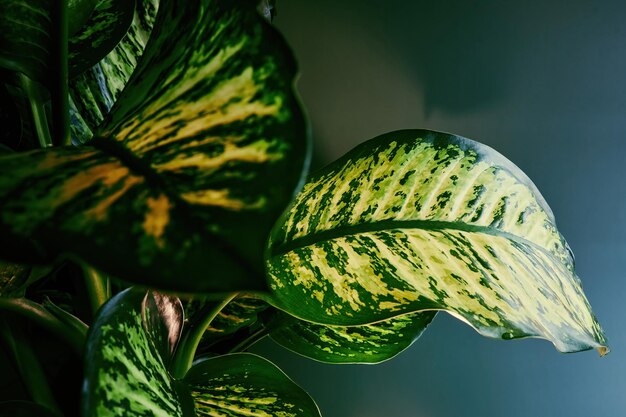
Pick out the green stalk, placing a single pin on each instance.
(28, 365)
(188, 345)
(71, 335)
(251, 340)
(97, 287)
(59, 89)
(35, 93)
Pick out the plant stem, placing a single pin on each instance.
(251, 340)
(97, 287)
(35, 93)
(34, 312)
(28, 365)
(59, 88)
(188, 345)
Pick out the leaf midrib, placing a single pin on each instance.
(392, 224)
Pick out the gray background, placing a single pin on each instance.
(544, 84)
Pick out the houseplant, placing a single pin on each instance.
(177, 188)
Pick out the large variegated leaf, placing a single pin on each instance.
(126, 369)
(419, 220)
(205, 146)
(106, 26)
(370, 343)
(93, 92)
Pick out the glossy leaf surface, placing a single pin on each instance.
(243, 384)
(370, 343)
(207, 145)
(106, 26)
(420, 220)
(127, 373)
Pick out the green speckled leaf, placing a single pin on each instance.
(207, 146)
(243, 384)
(370, 343)
(125, 373)
(93, 92)
(239, 313)
(420, 220)
(107, 25)
(126, 369)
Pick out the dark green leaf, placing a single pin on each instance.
(371, 343)
(25, 37)
(24, 409)
(420, 220)
(13, 277)
(205, 145)
(106, 26)
(126, 373)
(79, 12)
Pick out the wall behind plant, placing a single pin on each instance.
(544, 84)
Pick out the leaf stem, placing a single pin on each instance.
(59, 89)
(97, 287)
(188, 345)
(35, 94)
(34, 312)
(251, 340)
(28, 365)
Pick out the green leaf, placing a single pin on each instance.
(370, 343)
(126, 370)
(420, 220)
(93, 92)
(25, 37)
(205, 145)
(26, 31)
(13, 277)
(239, 313)
(24, 409)
(107, 25)
(243, 384)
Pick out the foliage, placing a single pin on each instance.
(161, 226)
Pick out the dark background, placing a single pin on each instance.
(542, 82)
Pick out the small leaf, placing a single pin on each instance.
(243, 384)
(205, 145)
(370, 343)
(126, 374)
(420, 220)
(107, 25)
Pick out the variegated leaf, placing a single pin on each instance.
(126, 370)
(107, 25)
(241, 312)
(13, 277)
(420, 220)
(206, 144)
(93, 92)
(243, 384)
(125, 373)
(370, 343)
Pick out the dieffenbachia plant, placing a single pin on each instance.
(189, 142)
